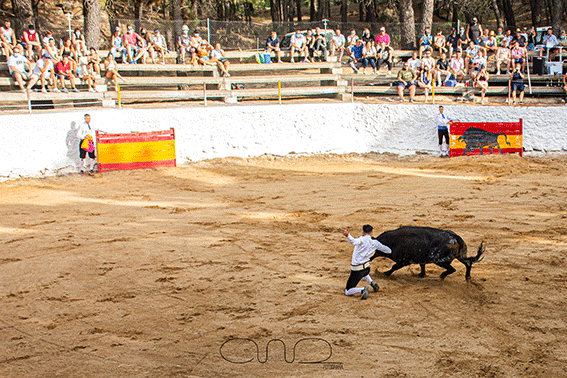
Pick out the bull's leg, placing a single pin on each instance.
(422, 274)
(468, 265)
(447, 265)
(398, 265)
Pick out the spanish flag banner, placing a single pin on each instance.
(485, 138)
(136, 150)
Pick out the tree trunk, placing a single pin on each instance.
(312, 11)
(426, 16)
(537, 12)
(496, 10)
(455, 18)
(509, 14)
(138, 13)
(298, 8)
(361, 11)
(344, 11)
(23, 13)
(557, 17)
(407, 21)
(91, 16)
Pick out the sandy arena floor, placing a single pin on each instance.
(148, 273)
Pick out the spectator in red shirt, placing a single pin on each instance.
(383, 37)
(31, 42)
(64, 71)
(131, 39)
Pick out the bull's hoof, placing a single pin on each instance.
(421, 275)
(387, 274)
(443, 275)
(468, 278)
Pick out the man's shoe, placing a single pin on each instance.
(374, 286)
(64, 90)
(364, 293)
(75, 89)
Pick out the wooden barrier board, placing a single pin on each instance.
(486, 138)
(118, 152)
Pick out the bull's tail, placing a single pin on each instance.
(479, 255)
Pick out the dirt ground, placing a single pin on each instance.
(180, 272)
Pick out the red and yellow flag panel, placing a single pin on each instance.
(136, 150)
(486, 138)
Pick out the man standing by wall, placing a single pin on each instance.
(443, 132)
(86, 144)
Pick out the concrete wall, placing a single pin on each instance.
(45, 143)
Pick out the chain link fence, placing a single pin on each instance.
(233, 35)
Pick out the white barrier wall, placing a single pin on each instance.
(45, 143)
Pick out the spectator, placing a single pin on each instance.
(184, 44)
(470, 53)
(491, 45)
(425, 42)
(484, 37)
(406, 80)
(508, 37)
(565, 83)
(64, 70)
(474, 31)
(131, 39)
(79, 42)
(428, 61)
(443, 122)
(86, 73)
(52, 52)
(366, 36)
(352, 38)
(482, 83)
(7, 38)
(442, 68)
(218, 57)
(111, 71)
(562, 41)
(463, 39)
(273, 44)
(369, 56)
(45, 40)
(299, 44)
(382, 37)
(203, 54)
(196, 40)
(69, 50)
(478, 63)
(17, 67)
(453, 42)
(532, 39)
(30, 42)
(143, 46)
(414, 62)
(424, 81)
(356, 56)
(118, 47)
(439, 42)
(519, 38)
(43, 69)
(457, 66)
(338, 44)
(159, 45)
(499, 35)
(518, 54)
(94, 61)
(503, 56)
(310, 42)
(385, 56)
(320, 44)
(517, 78)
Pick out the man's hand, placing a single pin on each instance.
(345, 232)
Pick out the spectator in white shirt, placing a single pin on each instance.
(7, 38)
(43, 69)
(17, 67)
(299, 44)
(338, 44)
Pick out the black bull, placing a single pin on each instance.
(424, 245)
